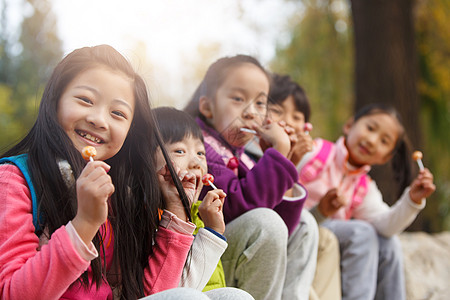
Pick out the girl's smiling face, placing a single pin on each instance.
(240, 102)
(96, 109)
(371, 139)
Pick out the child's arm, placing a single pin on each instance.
(167, 261)
(26, 273)
(94, 187)
(262, 186)
(208, 246)
(389, 221)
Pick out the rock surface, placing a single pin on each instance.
(427, 265)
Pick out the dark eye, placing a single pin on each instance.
(201, 153)
(275, 111)
(237, 99)
(85, 99)
(120, 114)
(178, 151)
(261, 103)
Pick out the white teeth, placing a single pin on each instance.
(90, 137)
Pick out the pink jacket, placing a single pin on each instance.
(336, 173)
(29, 271)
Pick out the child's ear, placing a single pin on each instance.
(204, 106)
(348, 125)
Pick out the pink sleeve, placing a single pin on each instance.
(167, 262)
(26, 273)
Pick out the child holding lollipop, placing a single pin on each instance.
(183, 140)
(343, 195)
(289, 104)
(95, 233)
(230, 105)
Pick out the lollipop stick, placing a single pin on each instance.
(419, 162)
(417, 156)
(91, 158)
(212, 184)
(248, 130)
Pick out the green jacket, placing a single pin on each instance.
(217, 279)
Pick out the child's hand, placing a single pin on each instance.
(273, 135)
(331, 203)
(170, 193)
(422, 186)
(303, 145)
(94, 187)
(210, 210)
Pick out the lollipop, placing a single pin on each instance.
(308, 127)
(247, 130)
(88, 153)
(417, 156)
(208, 179)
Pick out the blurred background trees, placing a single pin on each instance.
(27, 56)
(345, 53)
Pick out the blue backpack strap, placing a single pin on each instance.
(21, 161)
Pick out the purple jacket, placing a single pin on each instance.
(261, 186)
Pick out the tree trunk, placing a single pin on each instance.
(386, 70)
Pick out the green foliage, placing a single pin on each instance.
(433, 43)
(319, 57)
(25, 73)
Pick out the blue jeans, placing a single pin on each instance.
(371, 265)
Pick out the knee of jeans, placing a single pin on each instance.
(390, 248)
(363, 233)
(270, 225)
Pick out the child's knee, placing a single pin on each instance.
(271, 226)
(390, 249)
(362, 235)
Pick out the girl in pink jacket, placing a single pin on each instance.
(339, 188)
(77, 230)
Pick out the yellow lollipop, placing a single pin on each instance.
(88, 153)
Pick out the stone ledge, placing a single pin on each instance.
(427, 265)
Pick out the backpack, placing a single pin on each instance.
(314, 166)
(21, 161)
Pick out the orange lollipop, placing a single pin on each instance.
(208, 179)
(417, 156)
(88, 153)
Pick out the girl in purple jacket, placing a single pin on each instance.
(231, 108)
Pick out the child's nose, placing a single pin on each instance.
(250, 111)
(97, 119)
(194, 163)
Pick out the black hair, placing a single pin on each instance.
(282, 86)
(175, 125)
(401, 162)
(215, 77)
(137, 197)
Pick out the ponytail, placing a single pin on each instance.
(401, 164)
